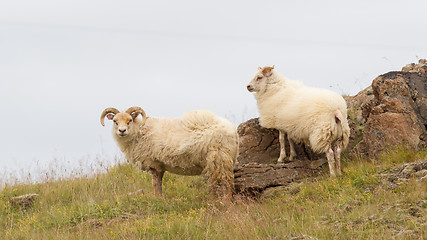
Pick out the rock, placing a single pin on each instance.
(257, 169)
(359, 107)
(408, 171)
(421, 67)
(261, 145)
(253, 178)
(24, 201)
(257, 144)
(421, 174)
(395, 118)
(391, 112)
(418, 88)
(399, 175)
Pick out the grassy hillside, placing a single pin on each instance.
(120, 205)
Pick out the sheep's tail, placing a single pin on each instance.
(343, 129)
(219, 171)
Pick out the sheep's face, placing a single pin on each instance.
(261, 79)
(122, 123)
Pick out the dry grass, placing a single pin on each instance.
(120, 205)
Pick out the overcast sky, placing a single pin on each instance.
(63, 62)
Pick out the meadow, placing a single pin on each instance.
(120, 204)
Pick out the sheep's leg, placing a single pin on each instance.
(331, 161)
(282, 146)
(337, 153)
(292, 147)
(157, 177)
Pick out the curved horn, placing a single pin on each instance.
(107, 111)
(138, 110)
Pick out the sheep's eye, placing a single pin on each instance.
(129, 122)
(259, 78)
(116, 123)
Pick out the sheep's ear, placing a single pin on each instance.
(266, 71)
(110, 116)
(259, 68)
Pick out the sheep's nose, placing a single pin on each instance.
(250, 88)
(122, 130)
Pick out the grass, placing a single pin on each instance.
(120, 205)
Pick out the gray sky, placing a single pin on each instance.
(63, 62)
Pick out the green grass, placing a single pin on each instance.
(120, 205)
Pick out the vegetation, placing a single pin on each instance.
(120, 204)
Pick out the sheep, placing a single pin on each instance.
(315, 117)
(198, 143)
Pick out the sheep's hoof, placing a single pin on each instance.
(283, 161)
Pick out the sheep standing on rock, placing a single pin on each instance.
(198, 143)
(315, 117)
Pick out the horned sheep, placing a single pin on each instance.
(198, 143)
(313, 116)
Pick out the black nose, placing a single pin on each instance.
(250, 88)
(122, 130)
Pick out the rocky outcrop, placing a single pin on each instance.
(257, 144)
(421, 67)
(397, 116)
(261, 145)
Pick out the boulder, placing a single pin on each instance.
(261, 145)
(391, 112)
(398, 115)
(257, 144)
(251, 179)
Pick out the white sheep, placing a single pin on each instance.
(315, 117)
(198, 143)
